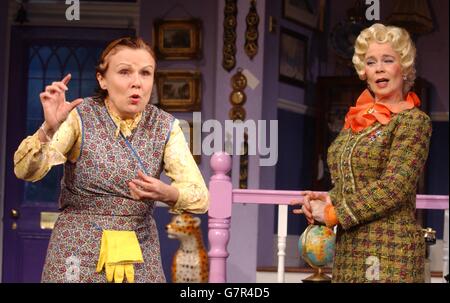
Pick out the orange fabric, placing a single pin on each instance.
(330, 215)
(367, 111)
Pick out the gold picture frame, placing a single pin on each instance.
(177, 39)
(179, 90)
(293, 57)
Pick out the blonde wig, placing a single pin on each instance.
(399, 40)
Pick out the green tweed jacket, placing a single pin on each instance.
(375, 174)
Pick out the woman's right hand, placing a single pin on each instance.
(311, 204)
(56, 108)
(306, 206)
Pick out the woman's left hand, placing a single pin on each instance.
(146, 187)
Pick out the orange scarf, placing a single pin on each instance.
(367, 111)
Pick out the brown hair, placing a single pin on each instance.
(111, 49)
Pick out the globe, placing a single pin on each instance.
(316, 246)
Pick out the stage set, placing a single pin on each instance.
(282, 67)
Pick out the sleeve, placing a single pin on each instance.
(33, 159)
(180, 167)
(330, 210)
(409, 151)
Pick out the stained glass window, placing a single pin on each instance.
(46, 64)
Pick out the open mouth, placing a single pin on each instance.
(135, 98)
(382, 83)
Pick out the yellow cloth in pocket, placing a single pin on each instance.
(119, 250)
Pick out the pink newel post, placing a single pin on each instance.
(220, 192)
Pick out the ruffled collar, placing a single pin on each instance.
(125, 126)
(367, 111)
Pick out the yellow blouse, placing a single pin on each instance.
(33, 159)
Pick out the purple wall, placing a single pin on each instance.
(241, 265)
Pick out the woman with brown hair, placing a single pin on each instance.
(113, 147)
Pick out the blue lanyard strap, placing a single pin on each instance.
(141, 164)
(135, 154)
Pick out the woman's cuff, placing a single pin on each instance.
(330, 215)
(192, 198)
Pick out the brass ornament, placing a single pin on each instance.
(237, 113)
(251, 33)
(238, 96)
(239, 81)
(229, 35)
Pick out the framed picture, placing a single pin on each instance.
(309, 13)
(177, 39)
(292, 65)
(188, 132)
(179, 91)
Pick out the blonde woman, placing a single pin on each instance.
(375, 163)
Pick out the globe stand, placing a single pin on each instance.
(317, 277)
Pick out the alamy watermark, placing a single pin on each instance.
(73, 11)
(373, 11)
(262, 137)
(73, 269)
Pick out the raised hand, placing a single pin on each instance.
(56, 108)
(146, 187)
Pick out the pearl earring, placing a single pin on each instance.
(405, 78)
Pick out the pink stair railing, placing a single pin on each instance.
(222, 197)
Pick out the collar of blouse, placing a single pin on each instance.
(367, 111)
(125, 126)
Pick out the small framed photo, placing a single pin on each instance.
(179, 90)
(177, 39)
(292, 65)
(309, 13)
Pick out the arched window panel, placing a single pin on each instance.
(35, 67)
(74, 90)
(82, 53)
(34, 106)
(72, 65)
(63, 53)
(54, 68)
(46, 65)
(44, 52)
(90, 62)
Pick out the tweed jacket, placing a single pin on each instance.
(375, 174)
